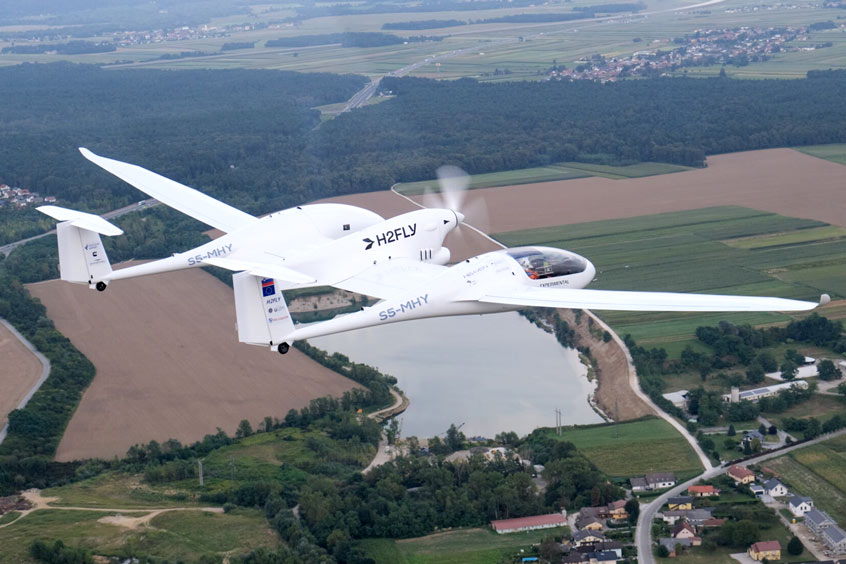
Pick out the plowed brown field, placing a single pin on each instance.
(19, 371)
(169, 364)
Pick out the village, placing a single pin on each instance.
(16, 198)
(692, 522)
(738, 46)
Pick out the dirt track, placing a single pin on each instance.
(169, 364)
(19, 371)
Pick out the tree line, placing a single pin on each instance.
(250, 137)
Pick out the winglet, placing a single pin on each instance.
(825, 299)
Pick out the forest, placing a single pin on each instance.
(252, 138)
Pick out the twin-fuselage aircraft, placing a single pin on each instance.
(400, 260)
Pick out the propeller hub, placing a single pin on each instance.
(459, 217)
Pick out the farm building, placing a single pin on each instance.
(800, 505)
(678, 399)
(754, 395)
(502, 526)
(771, 550)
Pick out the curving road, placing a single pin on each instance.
(643, 534)
(45, 372)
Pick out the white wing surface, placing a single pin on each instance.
(178, 196)
(262, 269)
(641, 301)
(392, 278)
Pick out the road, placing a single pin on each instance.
(45, 372)
(643, 534)
(384, 453)
(142, 205)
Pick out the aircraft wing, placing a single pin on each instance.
(264, 270)
(178, 196)
(642, 301)
(391, 278)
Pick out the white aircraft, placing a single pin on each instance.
(398, 260)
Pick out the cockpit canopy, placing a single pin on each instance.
(540, 263)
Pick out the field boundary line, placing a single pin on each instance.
(45, 372)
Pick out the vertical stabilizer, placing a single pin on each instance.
(263, 316)
(82, 257)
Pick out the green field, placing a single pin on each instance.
(560, 171)
(731, 250)
(817, 471)
(634, 448)
(462, 546)
(833, 152)
(179, 535)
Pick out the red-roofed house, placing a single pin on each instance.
(702, 491)
(771, 550)
(529, 523)
(741, 475)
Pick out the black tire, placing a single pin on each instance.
(101, 286)
(283, 348)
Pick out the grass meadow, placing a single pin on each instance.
(560, 171)
(817, 471)
(729, 250)
(633, 448)
(461, 546)
(179, 535)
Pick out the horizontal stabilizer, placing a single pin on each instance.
(263, 270)
(171, 193)
(640, 301)
(82, 220)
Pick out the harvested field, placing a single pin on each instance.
(20, 371)
(169, 364)
(782, 181)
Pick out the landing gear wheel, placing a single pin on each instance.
(283, 348)
(100, 286)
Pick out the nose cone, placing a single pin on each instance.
(459, 217)
(590, 272)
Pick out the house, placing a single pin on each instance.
(608, 546)
(589, 523)
(672, 543)
(756, 489)
(816, 520)
(617, 510)
(749, 436)
(638, 484)
(581, 538)
(660, 480)
(741, 475)
(682, 530)
(800, 505)
(702, 491)
(502, 526)
(694, 516)
(713, 522)
(835, 539)
(678, 399)
(771, 550)
(774, 488)
(680, 502)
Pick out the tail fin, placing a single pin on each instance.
(263, 316)
(82, 257)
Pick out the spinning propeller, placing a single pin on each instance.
(454, 184)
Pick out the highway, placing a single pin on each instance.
(142, 205)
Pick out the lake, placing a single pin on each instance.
(492, 373)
